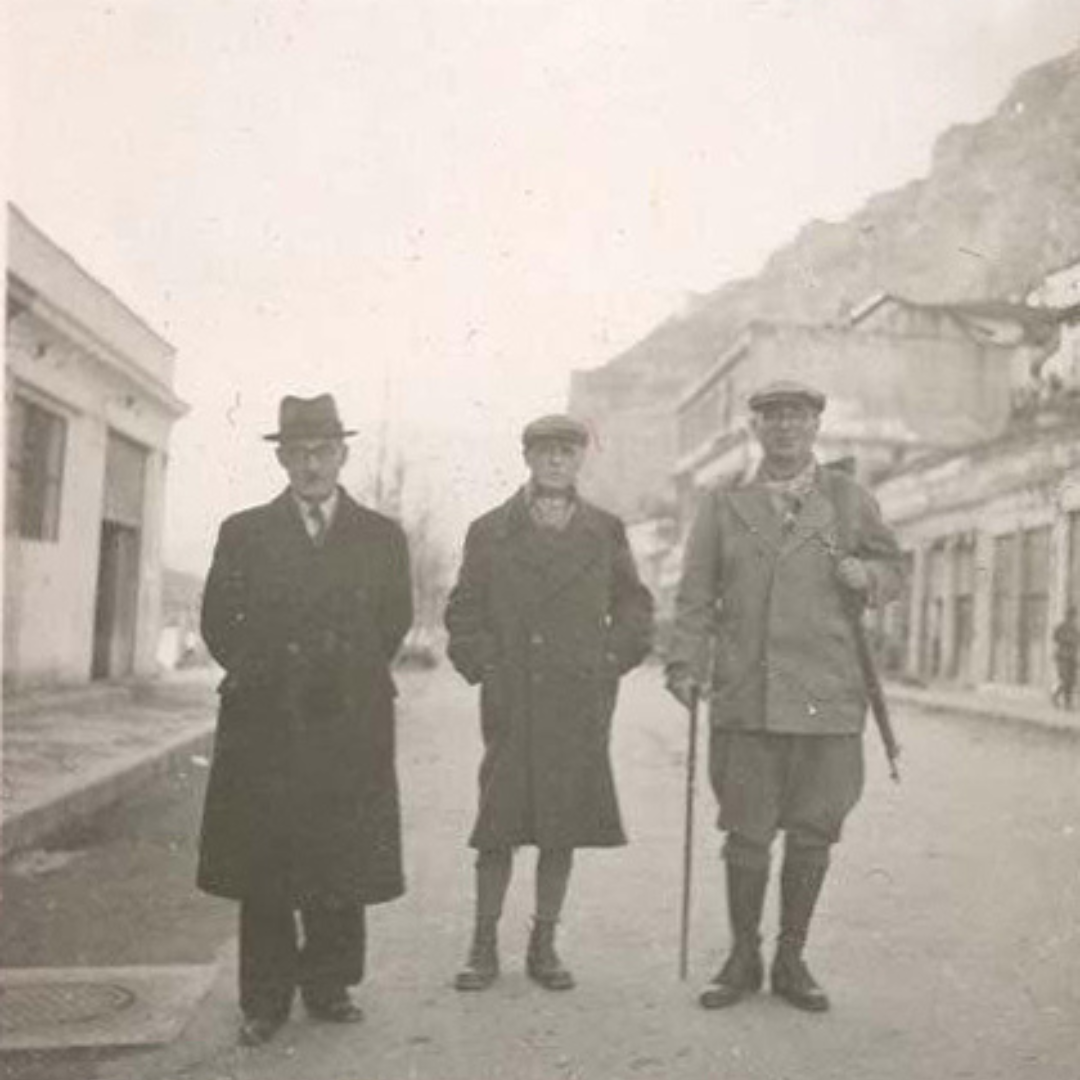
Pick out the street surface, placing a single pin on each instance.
(948, 936)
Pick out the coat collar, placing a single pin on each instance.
(348, 514)
(513, 515)
(544, 569)
(754, 505)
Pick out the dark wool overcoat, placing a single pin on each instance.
(546, 622)
(303, 798)
(768, 600)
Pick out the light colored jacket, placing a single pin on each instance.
(768, 600)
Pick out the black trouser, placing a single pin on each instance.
(273, 962)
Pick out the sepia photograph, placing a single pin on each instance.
(541, 540)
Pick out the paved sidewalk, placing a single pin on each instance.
(1020, 707)
(69, 753)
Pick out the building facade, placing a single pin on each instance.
(992, 534)
(89, 407)
(892, 396)
(992, 531)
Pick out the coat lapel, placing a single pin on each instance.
(290, 524)
(816, 521)
(580, 545)
(542, 568)
(755, 508)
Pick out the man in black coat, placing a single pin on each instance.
(306, 603)
(547, 614)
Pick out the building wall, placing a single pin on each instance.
(999, 524)
(935, 390)
(80, 373)
(80, 303)
(889, 399)
(1062, 290)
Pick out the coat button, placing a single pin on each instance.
(293, 648)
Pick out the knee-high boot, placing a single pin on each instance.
(743, 971)
(800, 886)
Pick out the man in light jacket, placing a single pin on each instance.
(775, 569)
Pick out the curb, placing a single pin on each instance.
(89, 795)
(983, 711)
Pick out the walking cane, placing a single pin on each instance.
(688, 836)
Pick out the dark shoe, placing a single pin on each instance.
(482, 967)
(257, 1030)
(791, 980)
(335, 1009)
(742, 974)
(542, 963)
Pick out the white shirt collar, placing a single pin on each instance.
(327, 505)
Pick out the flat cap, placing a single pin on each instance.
(787, 390)
(556, 426)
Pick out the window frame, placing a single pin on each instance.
(37, 459)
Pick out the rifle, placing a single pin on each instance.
(852, 606)
(879, 707)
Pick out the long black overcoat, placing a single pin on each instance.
(303, 797)
(547, 622)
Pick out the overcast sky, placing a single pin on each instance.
(443, 207)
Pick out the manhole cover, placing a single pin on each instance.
(36, 1005)
(53, 1008)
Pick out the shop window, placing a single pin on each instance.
(963, 607)
(37, 439)
(1034, 606)
(1003, 610)
(1073, 593)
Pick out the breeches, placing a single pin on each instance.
(274, 962)
(803, 784)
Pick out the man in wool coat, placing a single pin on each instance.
(546, 615)
(776, 571)
(307, 601)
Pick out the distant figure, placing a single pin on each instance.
(546, 616)
(774, 571)
(1066, 649)
(307, 601)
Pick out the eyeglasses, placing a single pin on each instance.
(322, 453)
(791, 414)
(566, 447)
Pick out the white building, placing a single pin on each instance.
(992, 530)
(89, 408)
(992, 533)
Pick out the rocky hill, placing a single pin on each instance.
(998, 210)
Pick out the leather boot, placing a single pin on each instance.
(482, 967)
(542, 963)
(743, 971)
(800, 887)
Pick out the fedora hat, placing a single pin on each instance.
(308, 418)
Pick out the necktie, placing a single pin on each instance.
(318, 523)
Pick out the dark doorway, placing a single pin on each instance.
(116, 622)
(115, 615)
